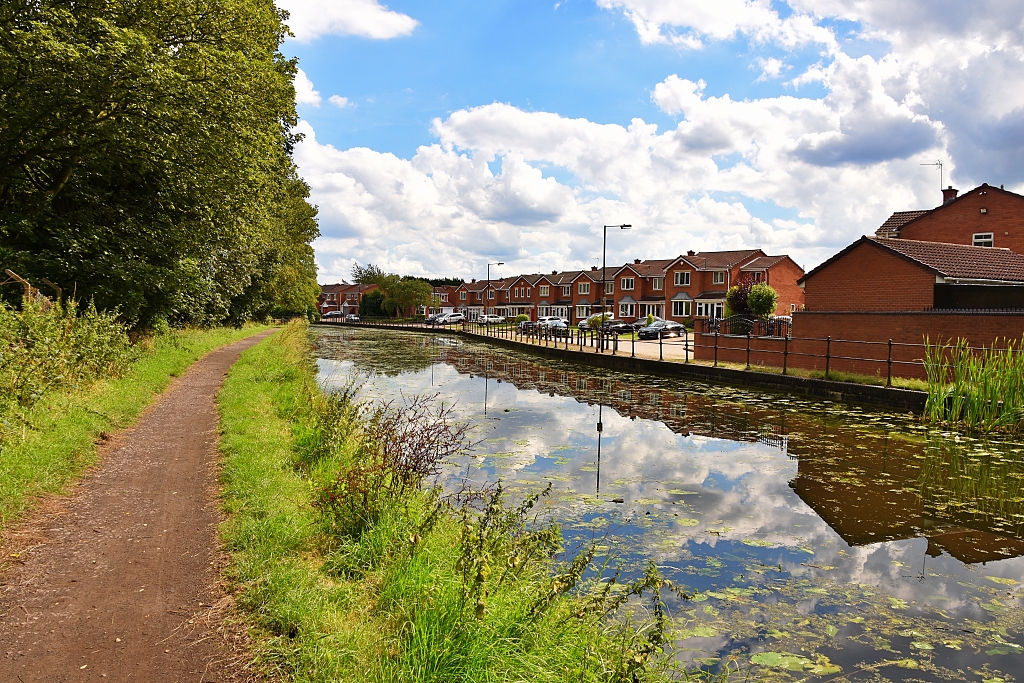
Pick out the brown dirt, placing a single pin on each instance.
(120, 581)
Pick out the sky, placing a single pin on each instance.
(440, 136)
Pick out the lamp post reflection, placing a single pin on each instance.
(600, 430)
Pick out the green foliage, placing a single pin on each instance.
(418, 586)
(371, 305)
(762, 300)
(145, 158)
(49, 347)
(595, 321)
(736, 298)
(522, 318)
(981, 390)
(57, 438)
(398, 294)
(650, 319)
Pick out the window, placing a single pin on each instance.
(680, 309)
(718, 277)
(584, 288)
(678, 410)
(657, 283)
(462, 296)
(581, 385)
(627, 283)
(627, 310)
(444, 297)
(582, 312)
(544, 290)
(527, 292)
(490, 293)
(654, 399)
(709, 309)
(566, 290)
(983, 239)
(609, 287)
(625, 395)
(792, 308)
(681, 278)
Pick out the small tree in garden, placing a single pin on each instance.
(761, 300)
(736, 298)
(650, 319)
(522, 318)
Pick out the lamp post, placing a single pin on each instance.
(604, 266)
(487, 292)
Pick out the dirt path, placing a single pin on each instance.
(122, 583)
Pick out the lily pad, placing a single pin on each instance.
(782, 660)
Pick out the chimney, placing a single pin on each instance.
(949, 194)
(636, 260)
(593, 267)
(691, 253)
(554, 272)
(474, 279)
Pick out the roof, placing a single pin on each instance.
(721, 259)
(763, 262)
(891, 227)
(713, 295)
(648, 268)
(954, 261)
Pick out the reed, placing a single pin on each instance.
(977, 389)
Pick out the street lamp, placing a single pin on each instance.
(604, 263)
(487, 292)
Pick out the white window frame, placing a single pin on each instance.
(444, 297)
(710, 309)
(490, 293)
(462, 296)
(528, 293)
(627, 284)
(609, 287)
(627, 310)
(657, 283)
(545, 290)
(681, 278)
(583, 288)
(718, 277)
(681, 309)
(582, 311)
(986, 239)
(566, 290)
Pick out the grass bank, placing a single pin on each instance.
(55, 439)
(350, 567)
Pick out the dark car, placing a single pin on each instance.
(527, 326)
(616, 326)
(642, 322)
(662, 328)
(556, 328)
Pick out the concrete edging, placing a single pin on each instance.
(888, 397)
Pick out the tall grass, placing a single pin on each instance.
(354, 568)
(979, 389)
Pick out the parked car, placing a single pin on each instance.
(351, 318)
(452, 319)
(527, 326)
(642, 322)
(662, 328)
(556, 328)
(330, 315)
(545, 319)
(433, 318)
(586, 324)
(490, 319)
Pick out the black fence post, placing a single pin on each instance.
(661, 355)
(748, 350)
(828, 354)
(888, 374)
(632, 345)
(785, 355)
(716, 346)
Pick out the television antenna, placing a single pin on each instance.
(937, 162)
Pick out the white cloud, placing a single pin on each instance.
(311, 19)
(771, 68)
(304, 92)
(340, 102)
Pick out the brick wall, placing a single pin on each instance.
(782, 277)
(860, 340)
(958, 221)
(869, 278)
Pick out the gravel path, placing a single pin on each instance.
(120, 581)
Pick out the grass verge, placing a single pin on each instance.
(59, 433)
(348, 568)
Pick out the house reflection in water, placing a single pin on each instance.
(868, 485)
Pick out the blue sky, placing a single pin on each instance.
(475, 129)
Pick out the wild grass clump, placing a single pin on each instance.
(356, 567)
(978, 389)
(50, 346)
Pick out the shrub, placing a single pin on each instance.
(522, 318)
(49, 347)
(761, 300)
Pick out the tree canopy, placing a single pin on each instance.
(400, 293)
(145, 157)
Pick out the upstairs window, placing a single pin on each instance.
(609, 287)
(681, 278)
(544, 289)
(657, 283)
(566, 290)
(718, 277)
(584, 288)
(462, 296)
(627, 283)
(983, 239)
(490, 293)
(527, 292)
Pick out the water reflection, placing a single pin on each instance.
(850, 532)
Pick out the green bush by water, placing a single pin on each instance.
(353, 569)
(981, 390)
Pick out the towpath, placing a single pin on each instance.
(121, 582)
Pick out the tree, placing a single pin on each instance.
(367, 275)
(399, 293)
(761, 300)
(736, 298)
(145, 157)
(370, 304)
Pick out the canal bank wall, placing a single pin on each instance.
(848, 392)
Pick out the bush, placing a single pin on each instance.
(49, 347)
(522, 318)
(761, 300)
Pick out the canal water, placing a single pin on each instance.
(819, 541)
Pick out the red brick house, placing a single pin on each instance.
(985, 217)
(341, 297)
(917, 276)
